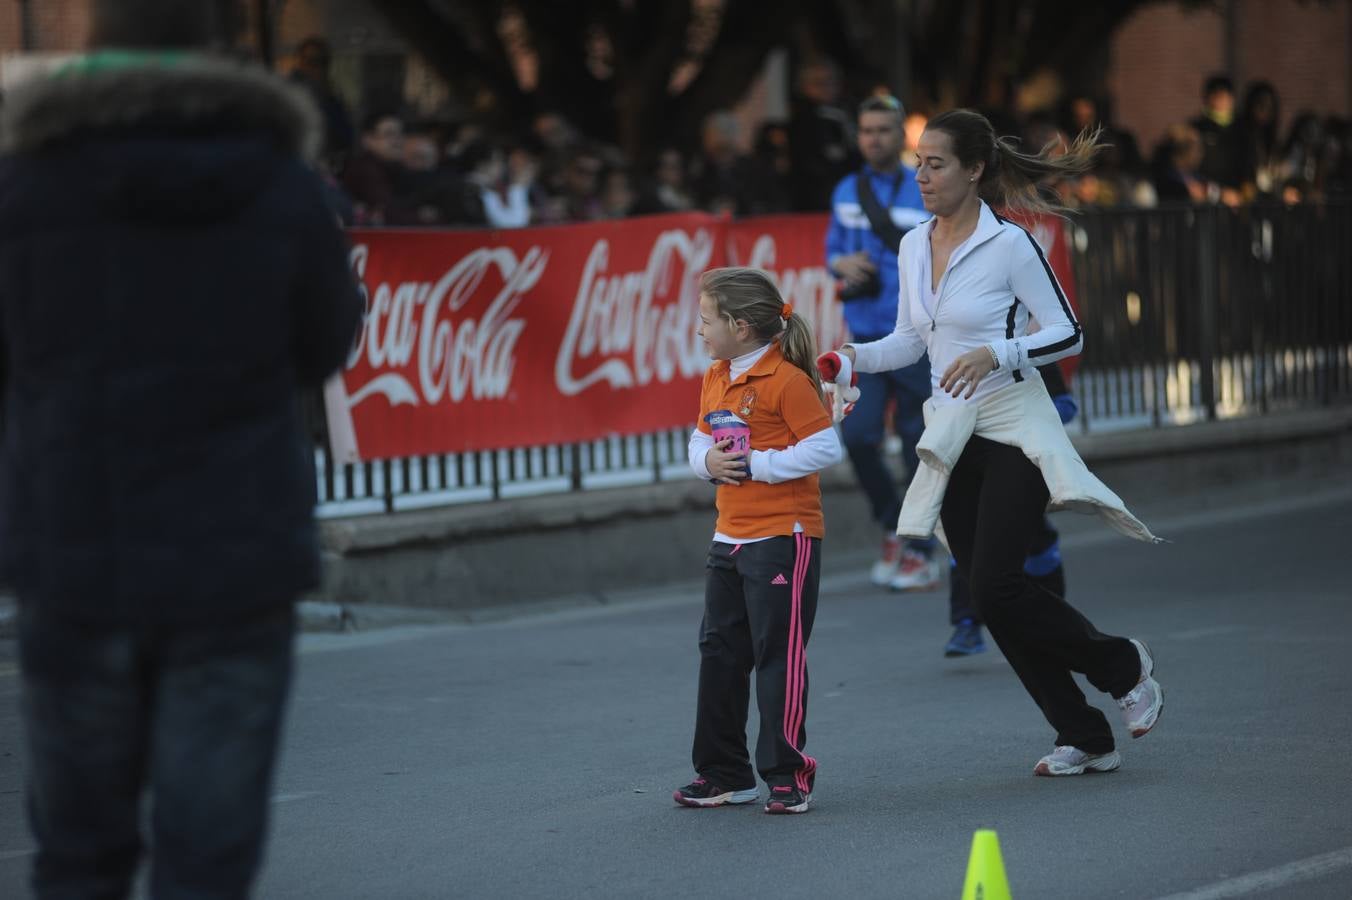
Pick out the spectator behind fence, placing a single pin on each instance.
(1177, 158)
(618, 197)
(502, 203)
(557, 139)
(1303, 151)
(666, 190)
(374, 174)
(723, 174)
(170, 276)
(772, 170)
(1337, 158)
(580, 187)
(1263, 169)
(1222, 162)
(313, 60)
(1121, 152)
(432, 193)
(821, 135)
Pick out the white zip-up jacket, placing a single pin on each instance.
(994, 281)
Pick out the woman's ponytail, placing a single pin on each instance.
(1011, 178)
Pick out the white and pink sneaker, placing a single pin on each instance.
(1074, 761)
(917, 572)
(1142, 705)
(888, 563)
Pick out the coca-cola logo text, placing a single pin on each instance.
(457, 355)
(629, 328)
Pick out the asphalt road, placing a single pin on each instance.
(536, 757)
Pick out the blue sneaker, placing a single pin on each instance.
(966, 640)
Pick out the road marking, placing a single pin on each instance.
(15, 854)
(1271, 879)
(296, 795)
(1193, 634)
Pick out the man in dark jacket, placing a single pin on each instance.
(169, 277)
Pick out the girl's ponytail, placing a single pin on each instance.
(800, 347)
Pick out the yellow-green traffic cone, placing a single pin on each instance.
(985, 869)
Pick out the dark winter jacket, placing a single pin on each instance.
(169, 277)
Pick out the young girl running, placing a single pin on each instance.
(764, 433)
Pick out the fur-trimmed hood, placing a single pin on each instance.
(167, 138)
(188, 92)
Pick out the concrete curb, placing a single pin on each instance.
(1149, 442)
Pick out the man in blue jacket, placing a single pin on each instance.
(866, 262)
(170, 277)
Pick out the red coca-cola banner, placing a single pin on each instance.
(491, 339)
(480, 340)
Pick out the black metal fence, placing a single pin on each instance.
(1189, 314)
(1203, 313)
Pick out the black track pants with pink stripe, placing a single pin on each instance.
(759, 603)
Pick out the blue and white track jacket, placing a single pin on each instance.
(849, 232)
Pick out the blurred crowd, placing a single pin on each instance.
(388, 170)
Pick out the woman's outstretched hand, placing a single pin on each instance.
(966, 372)
(837, 367)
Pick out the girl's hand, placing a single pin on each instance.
(966, 372)
(724, 467)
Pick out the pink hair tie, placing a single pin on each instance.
(786, 311)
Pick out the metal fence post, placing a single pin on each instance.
(1208, 241)
(575, 466)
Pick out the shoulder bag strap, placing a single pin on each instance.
(878, 219)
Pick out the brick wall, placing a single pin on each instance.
(10, 34)
(1305, 52)
(58, 25)
(1160, 57)
(351, 26)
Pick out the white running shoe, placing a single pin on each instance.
(1074, 761)
(917, 572)
(1142, 705)
(886, 567)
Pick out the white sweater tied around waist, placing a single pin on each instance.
(1020, 415)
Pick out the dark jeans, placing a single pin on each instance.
(862, 433)
(760, 600)
(192, 715)
(960, 605)
(991, 512)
